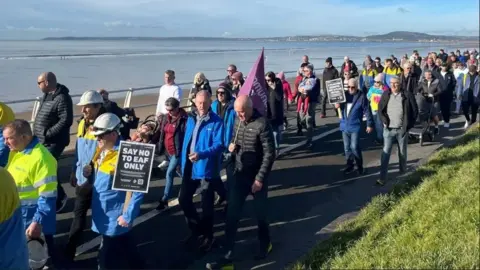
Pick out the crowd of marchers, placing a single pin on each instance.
(222, 130)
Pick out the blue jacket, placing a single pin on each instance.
(209, 146)
(463, 84)
(360, 107)
(107, 204)
(84, 151)
(13, 243)
(4, 150)
(228, 121)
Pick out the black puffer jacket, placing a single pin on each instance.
(275, 104)
(54, 118)
(256, 152)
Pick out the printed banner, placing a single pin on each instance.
(255, 85)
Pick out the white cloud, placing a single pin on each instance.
(34, 29)
(226, 34)
(118, 24)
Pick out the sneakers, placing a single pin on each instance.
(61, 204)
(224, 263)
(162, 205)
(219, 201)
(263, 252)
(467, 124)
(206, 244)
(163, 164)
(446, 125)
(348, 170)
(380, 182)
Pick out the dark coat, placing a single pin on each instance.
(275, 104)
(410, 109)
(55, 117)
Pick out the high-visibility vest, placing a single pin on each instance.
(35, 172)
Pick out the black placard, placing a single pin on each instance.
(134, 167)
(335, 91)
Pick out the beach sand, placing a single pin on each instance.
(136, 100)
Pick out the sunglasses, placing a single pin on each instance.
(352, 87)
(40, 82)
(268, 80)
(378, 82)
(220, 93)
(229, 70)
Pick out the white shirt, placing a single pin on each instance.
(166, 92)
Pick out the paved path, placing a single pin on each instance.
(308, 195)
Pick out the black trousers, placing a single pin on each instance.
(119, 252)
(241, 187)
(446, 106)
(56, 150)
(83, 202)
(470, 110)
(204, 225)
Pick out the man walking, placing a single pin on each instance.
(254, 154)
(329, 73)
(53, 121)
(200, 165)
(398, 111)
(353, 110)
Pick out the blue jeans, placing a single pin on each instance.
(277, 136)
(389, 136)
(378, 126)
(171, 171)
(352, 149)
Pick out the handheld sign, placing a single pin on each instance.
(134, 167)
(335, 91)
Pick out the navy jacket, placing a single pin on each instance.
(360, 106)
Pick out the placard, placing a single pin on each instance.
(335, 91)
(134, 167)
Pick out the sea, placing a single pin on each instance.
(114, 65)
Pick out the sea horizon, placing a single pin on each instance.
(122, 64)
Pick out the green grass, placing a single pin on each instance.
(430, 221)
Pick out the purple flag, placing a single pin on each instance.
(255, 85)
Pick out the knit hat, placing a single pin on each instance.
(281, 75)
(329, 60)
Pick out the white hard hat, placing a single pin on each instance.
(37, 252)
(90, 97)
(105, 123)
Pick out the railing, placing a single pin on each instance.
(127, 100)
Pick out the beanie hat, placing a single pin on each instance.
(329, 60)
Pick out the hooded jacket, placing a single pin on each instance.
(275, 104)
(228, 119)
(447, 85)
(54, 118)
(434, 88)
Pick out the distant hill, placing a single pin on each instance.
(398, 36)
(414, 36)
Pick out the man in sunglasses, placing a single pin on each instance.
(53, 121)
(352, 112)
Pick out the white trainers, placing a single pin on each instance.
(466, 125)
(164, 164)
(446, 125)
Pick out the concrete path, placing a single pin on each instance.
(308, 196)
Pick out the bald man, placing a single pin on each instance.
(53, 121)
(253, 150)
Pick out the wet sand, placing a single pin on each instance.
(136, 100)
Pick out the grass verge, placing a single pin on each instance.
(429, 221)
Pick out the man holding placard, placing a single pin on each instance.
(112, 213)
(352, 110)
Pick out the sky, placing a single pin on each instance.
(36, 19)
